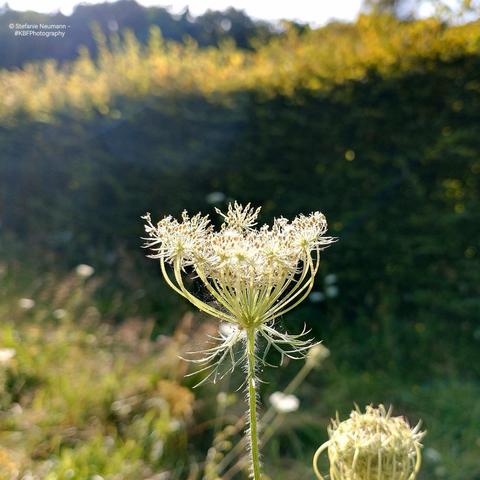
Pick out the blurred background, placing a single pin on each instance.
(368, 111)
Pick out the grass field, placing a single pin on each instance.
(83, 398)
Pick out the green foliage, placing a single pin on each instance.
(81, 398)
(380, 135)
(375, 124)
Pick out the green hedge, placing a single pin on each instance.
(391, 157)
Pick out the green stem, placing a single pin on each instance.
(267, 418)
(252, 404)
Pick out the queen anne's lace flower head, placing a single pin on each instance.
(253, 275)
(374, 446)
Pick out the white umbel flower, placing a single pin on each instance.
(283, 403)
(84, 271)
(26, 303)
(253, 275)
(6, 354)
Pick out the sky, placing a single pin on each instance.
(316, 12)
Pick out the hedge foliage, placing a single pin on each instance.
(375, 123)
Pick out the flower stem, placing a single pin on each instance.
(252, 405)
(267, 418)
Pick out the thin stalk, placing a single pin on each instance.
(252, 405)
(267, 418)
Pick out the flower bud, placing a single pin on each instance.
(317, 355)
(373, 446)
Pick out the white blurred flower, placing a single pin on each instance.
(284, 403)
(316, 297)
(59, 313)
(330, 279)
(215, 197)
(84, 270)
(331, 291)
(433, 455)
(26, 303)
(6, 354)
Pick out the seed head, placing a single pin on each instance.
(374, 446)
